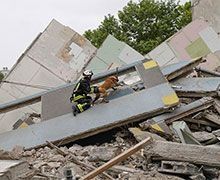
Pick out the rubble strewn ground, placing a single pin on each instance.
(185, 150)
(48, 162)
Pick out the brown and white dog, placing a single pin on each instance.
(110, 82)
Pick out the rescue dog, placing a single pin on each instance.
(110, 82)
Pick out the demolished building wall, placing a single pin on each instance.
(196, 39)
(207, 10)
(113, 53)
(55, 57)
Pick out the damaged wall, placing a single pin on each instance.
(209, 11)
(55, 57)
(113, 53)
(196, 39)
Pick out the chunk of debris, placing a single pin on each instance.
(199, 176)
(212, 117)
(202, 136)
(160, 122)
(176, 167)
(102, 153)
(141, 135)
(203, 155)
(183, 132)
(197, 87)
(11, 169)
(216, 133)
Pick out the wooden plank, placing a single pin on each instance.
(212, 117)
(201, 122)
(217, 105)
(118, 159)
(202, 155)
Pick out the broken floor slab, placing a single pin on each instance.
(180, 69)
(99, 118)
(207, 73)
(159, 122)
(197, 87)
(202, 155)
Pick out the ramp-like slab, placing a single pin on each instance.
(66, 128)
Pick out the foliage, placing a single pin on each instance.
(143, 25)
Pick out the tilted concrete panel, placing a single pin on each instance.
(128, 108)
(113, 53)
(54, 58)
(197, 87)
(56, 103)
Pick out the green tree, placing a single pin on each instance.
(143, 25)
(1, 76)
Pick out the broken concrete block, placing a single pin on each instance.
(141, 135)
(17, 152)
(102, 153)
(5, 155)
(183, 132)
(75, 169)
(175, 167)
(54, 164)
(202, 136)
(212, 173)
(203, 155)
(216, 133)
(151, 176)
(198, 177)
(12, 170)
(57, 158)
(159, 122)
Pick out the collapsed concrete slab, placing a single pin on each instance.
(180, 69)
(202, 155)
(197, 87)
(100, 118)
(159, 123)
(123, 110)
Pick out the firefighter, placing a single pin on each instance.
(81, 91)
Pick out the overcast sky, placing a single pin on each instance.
(22, 20)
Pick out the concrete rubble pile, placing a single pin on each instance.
(184, 142)
(162, 123)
